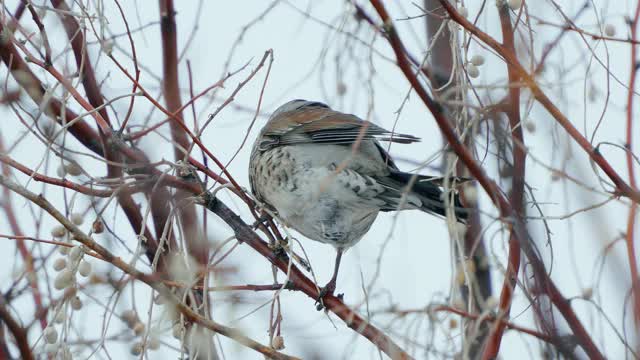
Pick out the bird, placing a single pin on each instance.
(325, 174)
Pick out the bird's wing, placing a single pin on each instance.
(404, 190)
(322, 125)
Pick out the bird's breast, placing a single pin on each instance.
(312, 196)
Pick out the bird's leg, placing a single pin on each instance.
(331, 285)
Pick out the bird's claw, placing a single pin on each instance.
(328, 289)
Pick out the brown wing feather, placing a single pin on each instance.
(321, 125)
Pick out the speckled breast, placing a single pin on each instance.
(270, 172)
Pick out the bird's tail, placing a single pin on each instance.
(429, 190)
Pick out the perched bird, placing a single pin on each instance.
(324, 173)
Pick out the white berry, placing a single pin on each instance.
(153, 343)
(477, 60)
(514, 4)
(51, 348)
(177, 330)
(158, 300)
(609, 30)
(84, 269)
(138, 328)
(463, 11)
(530, 126)
(471, 196)
(60, 171)
(130, 317)
(277, 342)
(76, 303)
(73, 169)
(136, 349)
(58, 231)
(76, 253)
(64, 250)
(59, 264)
(60, 317)
(473, 71)
(64, 279)
(50, 335)
(77, 218)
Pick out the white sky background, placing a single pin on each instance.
(416, 266)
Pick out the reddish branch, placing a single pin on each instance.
(270, 230)
(170, 81)
(130, 188)
(50, 242)
(631, 220)
(18, 332)
(19, 11)
(546, 338)
(572, 27)
(157, 195)
(86, 134)
(191, 135)
(243, 233)
(106, 136)
(621, 187)
(134, 57)
(447, 86)
(81, 130)
(43, 32)
(517, 189)
(196, 244)
(54, 181)
(90, 138)
(193, 236)
(103, 125)
(249, 287)
(83, 63)
(151, 280)
(25, 253)
(509, 209)
(505, 209)
(142, 133)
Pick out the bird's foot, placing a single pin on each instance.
(328, 289)
(280, 249)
